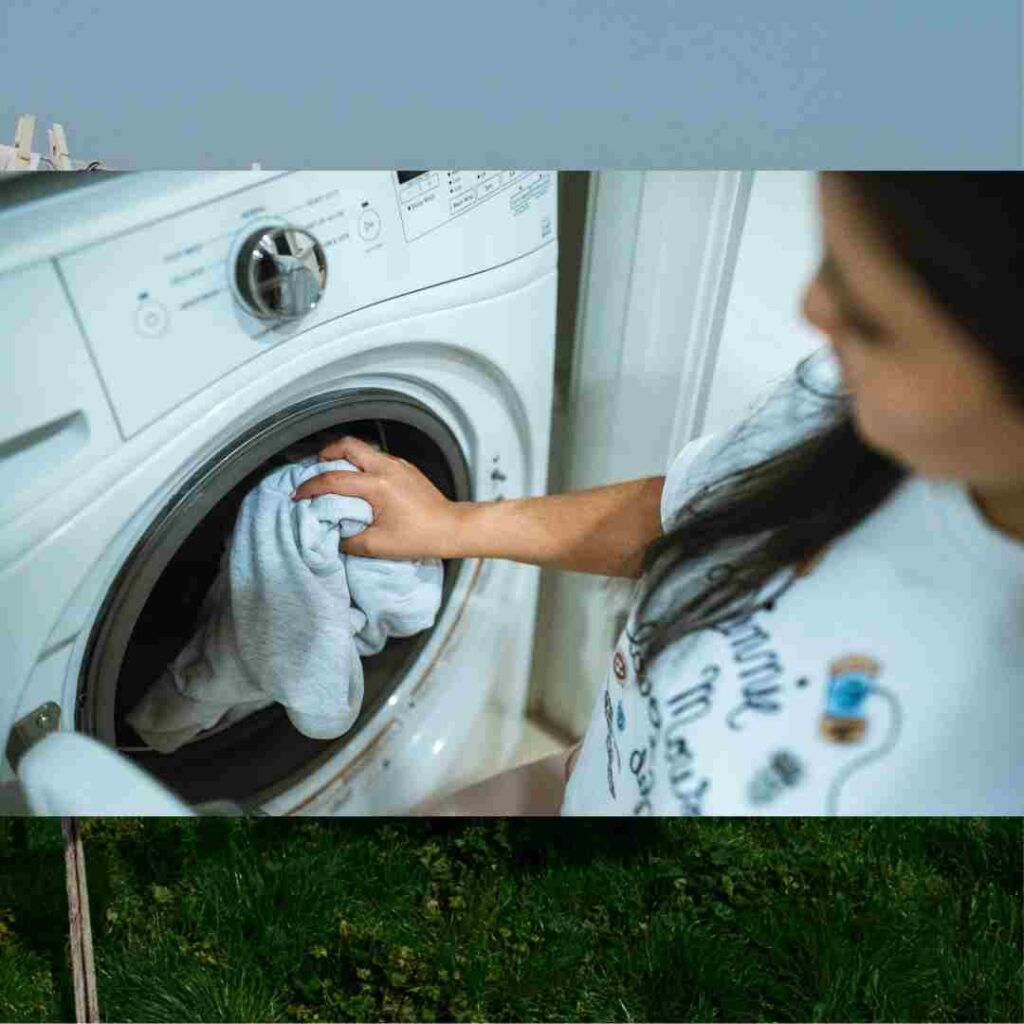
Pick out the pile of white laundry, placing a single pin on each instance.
(288, 618)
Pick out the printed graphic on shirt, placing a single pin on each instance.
(686, 783)
(636, 637)
(782, 772)
(611, 744)
(853, 697)
(851, 680)
(667, 755)
(619, 667)
(641, 759)
(758, 666)
(666, 723)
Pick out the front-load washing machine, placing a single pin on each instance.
(156, 362)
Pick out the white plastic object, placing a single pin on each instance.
(72, 775)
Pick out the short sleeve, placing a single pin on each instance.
(684, 475)
(788, 411)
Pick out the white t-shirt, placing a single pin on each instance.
(888, 680)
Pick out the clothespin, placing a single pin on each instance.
(23, 142)
(59, 149)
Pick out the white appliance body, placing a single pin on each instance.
(131, 374)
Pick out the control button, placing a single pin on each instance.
(369, 225)
(151, 319)
(462, 201)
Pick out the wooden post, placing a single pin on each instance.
(82, 967)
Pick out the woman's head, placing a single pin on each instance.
(919, 294)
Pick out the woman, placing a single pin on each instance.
(830, 615)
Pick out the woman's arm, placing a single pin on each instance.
(602, 531)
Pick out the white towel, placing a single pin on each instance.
(288, 617)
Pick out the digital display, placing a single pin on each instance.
(404, 176)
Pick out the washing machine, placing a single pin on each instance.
(156, 362)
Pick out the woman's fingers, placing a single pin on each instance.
(344, 482)
(362, 455)
(359, 545)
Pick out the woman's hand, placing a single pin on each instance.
(411, 518)
(604, 530)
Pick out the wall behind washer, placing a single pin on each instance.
(688, 311)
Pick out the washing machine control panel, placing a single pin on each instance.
(180, 300)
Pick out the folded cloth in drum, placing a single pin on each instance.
(288, 617)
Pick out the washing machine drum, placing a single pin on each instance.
(151, 611)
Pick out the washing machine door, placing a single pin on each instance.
(72, 775)
(153, 607)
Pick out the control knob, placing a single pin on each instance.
(280, 273)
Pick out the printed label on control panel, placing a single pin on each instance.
(428, 199)
(525, 192)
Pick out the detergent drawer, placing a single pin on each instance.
(54, 421)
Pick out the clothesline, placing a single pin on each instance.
(21, 156)
(38, 162)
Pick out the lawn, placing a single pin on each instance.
(818, 919)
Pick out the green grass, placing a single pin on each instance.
(220, 919)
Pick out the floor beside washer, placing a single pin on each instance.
(530, 782)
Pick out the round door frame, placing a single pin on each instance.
(125, 598)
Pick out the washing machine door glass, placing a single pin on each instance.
(153, 608)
